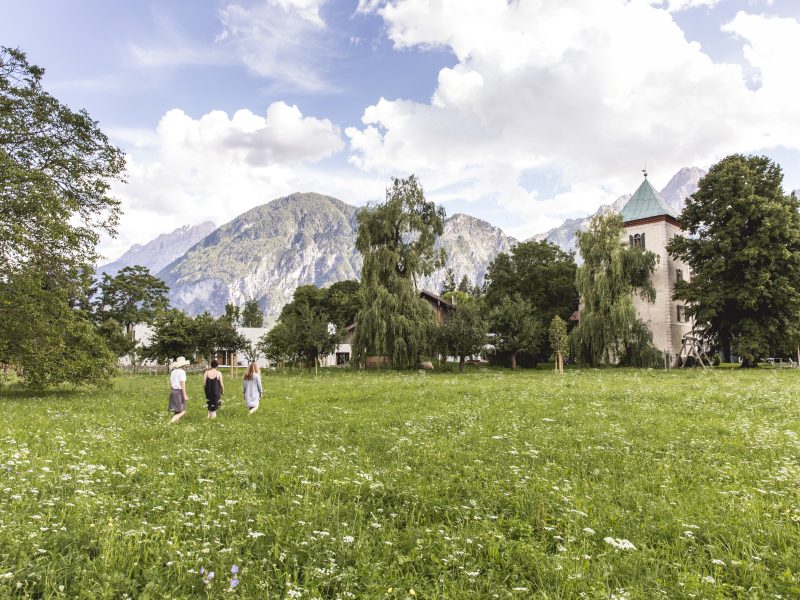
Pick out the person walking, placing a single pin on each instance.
(214, 388)
(177, 395)
(251, 388)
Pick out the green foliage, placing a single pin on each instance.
(396, 240)
(457, 298)
(516, 327)
(464, 285)
(174, 335)
(56, 169)
(216, 335)
(744, 255)
(233, 313)
(303, 333)
(539, 272)
(343, 302)
(117, 339)
(339, 302)
(177, 334)
(610, 331)
(44, 336)
(449, 284)
(278, 344)
(464, 332)
(251, 314)
(132, 296)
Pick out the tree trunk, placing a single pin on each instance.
(726, 349)
(461, 363)
(514, 360)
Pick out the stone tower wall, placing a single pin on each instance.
(661, 316)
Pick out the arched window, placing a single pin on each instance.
(637, 240)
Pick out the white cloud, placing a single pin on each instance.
(677, 5)
(307, 9)
(589, 90)
(217, 167)
(281, 39)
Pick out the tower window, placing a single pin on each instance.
(637, 241)
(678, 274)
(679, 313)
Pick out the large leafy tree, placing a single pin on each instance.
(43, 332)
(56, 171)
(743, 249)
(342, 302)
(278, 343)
(303, 334)
(612, 272)
(213, 335)
(516, 326)
(539, 272)
(174, 335)
(464, 333)
(396, 240)
(131, 297)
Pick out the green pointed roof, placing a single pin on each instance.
(646, 202)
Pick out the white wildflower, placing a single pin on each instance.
(619, 544)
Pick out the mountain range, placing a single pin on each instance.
(158, 253)
(308, 238)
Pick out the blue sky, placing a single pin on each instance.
(522, 113)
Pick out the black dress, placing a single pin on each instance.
(213, 391)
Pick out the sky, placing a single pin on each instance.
(520, 112)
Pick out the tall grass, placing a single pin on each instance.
(491, 484)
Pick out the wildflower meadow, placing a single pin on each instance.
(492, 484)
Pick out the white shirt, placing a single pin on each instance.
(176, 377)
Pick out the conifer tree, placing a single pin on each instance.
(251, 314)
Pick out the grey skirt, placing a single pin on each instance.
(176, 402)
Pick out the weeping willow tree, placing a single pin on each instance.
(396, 240)
(610, 331)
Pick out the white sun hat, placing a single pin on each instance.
(179, 363)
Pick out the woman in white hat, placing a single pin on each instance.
(177, 394)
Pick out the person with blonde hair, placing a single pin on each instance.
(251, 388)
(177, 395)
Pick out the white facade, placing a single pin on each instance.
(665, 317)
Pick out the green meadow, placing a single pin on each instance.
(491, 484)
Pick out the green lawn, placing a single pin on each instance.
(491, 484)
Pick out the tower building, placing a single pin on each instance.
(650, 223)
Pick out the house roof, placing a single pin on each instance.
(435, 298)
(646, 202)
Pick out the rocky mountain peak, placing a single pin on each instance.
(158, 253)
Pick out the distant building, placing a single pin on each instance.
(441, 307)
(649, 224)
